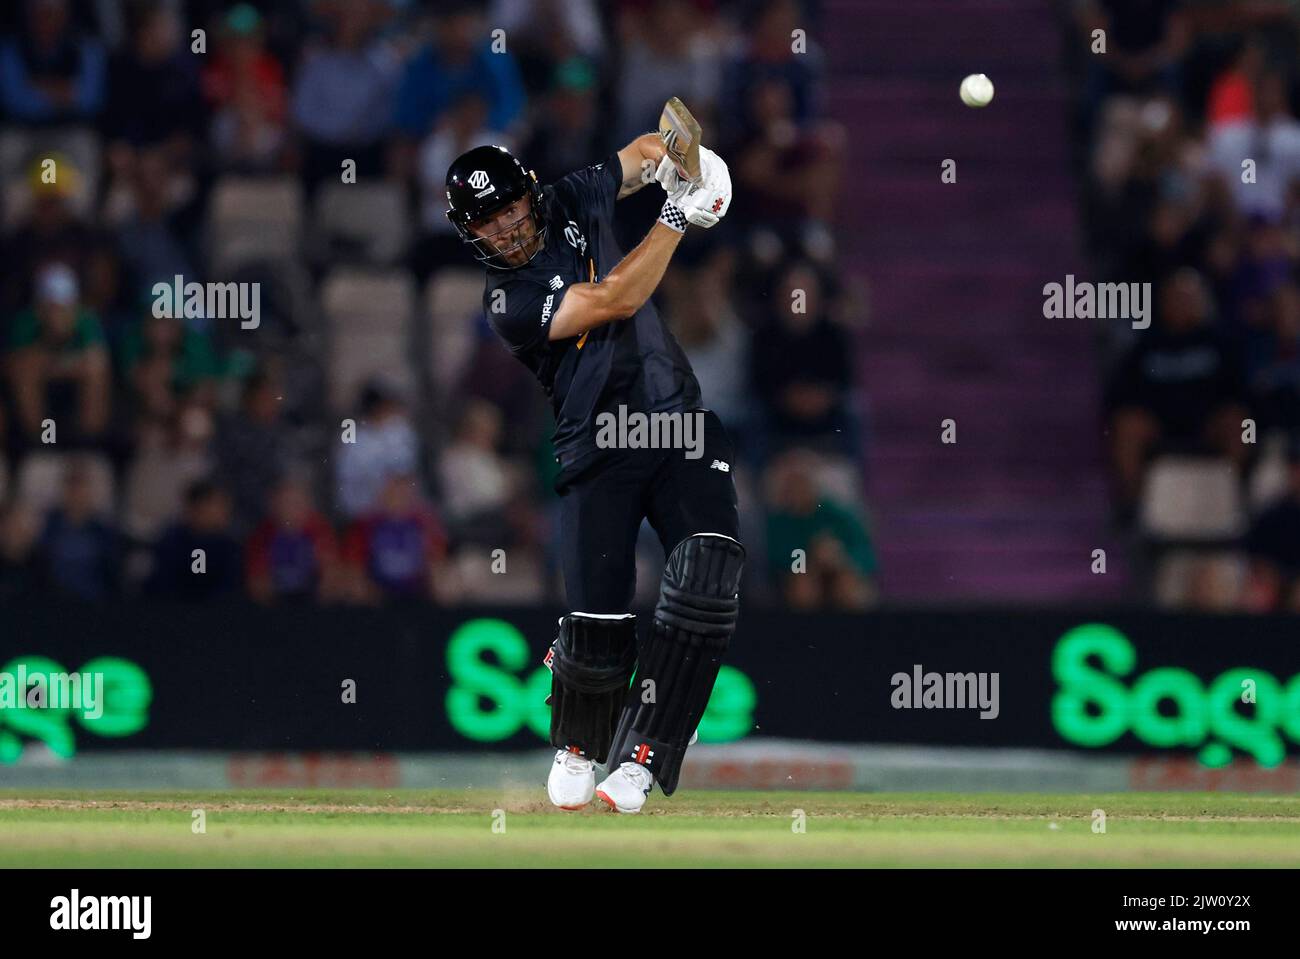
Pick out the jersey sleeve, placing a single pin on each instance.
(595, 188)
(520, 312)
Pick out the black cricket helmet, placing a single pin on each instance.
(481, 182)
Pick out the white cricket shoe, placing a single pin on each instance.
(627, 787)
(572, 782)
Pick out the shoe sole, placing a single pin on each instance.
(557, 805)
(602, 795)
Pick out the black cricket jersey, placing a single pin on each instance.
(634, 362)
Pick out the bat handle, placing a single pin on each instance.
(693, 180)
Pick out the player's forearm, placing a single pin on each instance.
(633, 281)
(623, 291)
(639, 160)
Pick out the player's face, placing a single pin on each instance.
(511, 232)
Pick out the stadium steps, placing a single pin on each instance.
(954, 327)
(925, 38)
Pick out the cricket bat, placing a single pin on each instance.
(680, 132)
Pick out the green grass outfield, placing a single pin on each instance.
(347, 828)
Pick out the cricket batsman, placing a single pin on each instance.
(577, 312)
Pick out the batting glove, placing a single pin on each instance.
(708, 203)
(674, 184)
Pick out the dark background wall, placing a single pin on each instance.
(244, 678)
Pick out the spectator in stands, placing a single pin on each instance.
(48, 74)
(801, 366)
(1271, 138)
(785, 157)
(1212, 583)
(573, 132)
(246, 90)
(253, 448)
(1158, 211)
(487, 372)
(1276, 380)
(459, 61)
(819, 552)
(669, 48)
(714, 339)
(293, 555)
(149, 240)
(342, 97)
(153, 100)
(386, 445)
(1117, 203)
(1231, 97)
(476, 480)
(461, 127)
(1265, 264)
(396, 551)
(80, 552)
(1179, 387)
(199, 558)
(52, 232)
(1145, 40)
(1273, 544)
(163, 361)
(169, 456)
(792, 173)
(545, 34)
(767, 54)
(512, 569)
(59, 364)
(20, 566)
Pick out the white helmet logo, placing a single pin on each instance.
(478, 179)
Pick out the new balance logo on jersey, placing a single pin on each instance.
(546, 309)
(556, 283)
(719, 465)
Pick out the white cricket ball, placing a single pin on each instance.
(977, 90)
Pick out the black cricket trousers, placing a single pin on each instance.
(603, 504)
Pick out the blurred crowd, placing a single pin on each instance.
(366, 439)
(1191, 173)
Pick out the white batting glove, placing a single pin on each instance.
(708, 203)
(712, 166)
(674, 184)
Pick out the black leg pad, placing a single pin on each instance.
(694, 621)
(591, 662)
